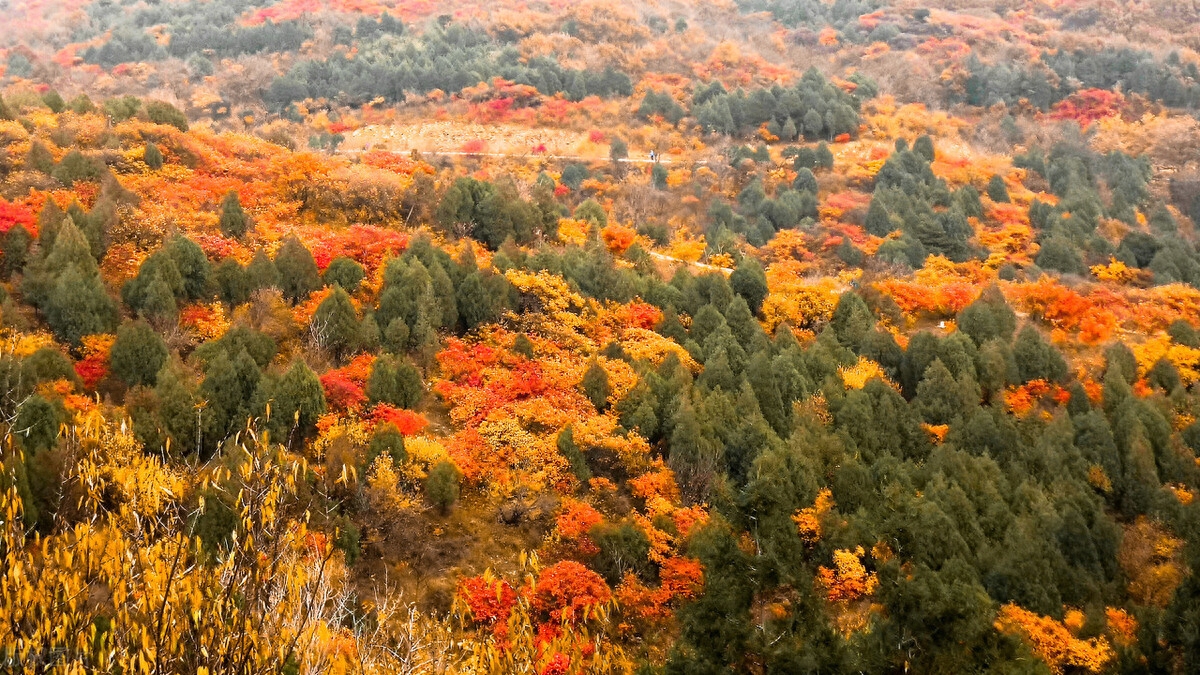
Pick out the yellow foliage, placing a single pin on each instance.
(1115, 271)
(798, 302)
(1185, 359)
(857, 376)
(1053, 642)
(685, 248)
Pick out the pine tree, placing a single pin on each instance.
(176, 409)
(988, 318)
(298, 276)
(65, 285)
(395, 338)
(152, 156)
(670, 326)
(336, 322)
(997, 190)
(396, 382)
(444, 294)
(16, 249)
(852, 320)
(441, 486)
(595, 385)
(472, 302)
(262, 272)
(750, 282)
(138, 354)
(299, 401)
(193, 266)
(233, 222)
(345, 272)
(878, 222)
(37, 424)
(387, 440)
(568, 449)
(229, 385)
(1038, 359)
(232, 282)
(761, 378)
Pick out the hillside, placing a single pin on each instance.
(754, 336)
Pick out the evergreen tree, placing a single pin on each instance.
(396, 382)
(336, 322)
(54, 101)
(670, 326)
(852, 320)
(298, 276)
(750, 282)
(1059, 255)
(878, 222)
(232, 282)
(658, 176)
(441, 486)
(138, 354)
(387, 440)
(65, 285)
(262, 273)
(761, 377)
(230, 382)
(923, 147)
(176, 409)
(473, 304)
(233, 222)
(1036, 358)
(16, 249)
(193, 267)
(989, 317)
(345, 272)
(997, 190)
(568, 449)
(299, 401)
(595, 385)
(37, 424)
(153, 157)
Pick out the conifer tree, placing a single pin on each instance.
(336, 323)
(441, 486)
(153, 157)
(595, 385)
(298, 401)
(233, 222)
(852, 320)
(997, 190)
(394, 381)
(345, 272)
(298, 276)
(262, 272)
(568, 449)
(749, 281)
(138, 354)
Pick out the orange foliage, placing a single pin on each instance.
(407, 422)
(1053, 642)
(1121, 626)
(565, 590)
(618, 238)
(808, 520)
(577, 518)
(1088, 105)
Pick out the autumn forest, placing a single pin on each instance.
(666, 337)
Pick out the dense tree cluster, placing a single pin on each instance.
(449, 58)
(813, 109)
(1059, 74)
